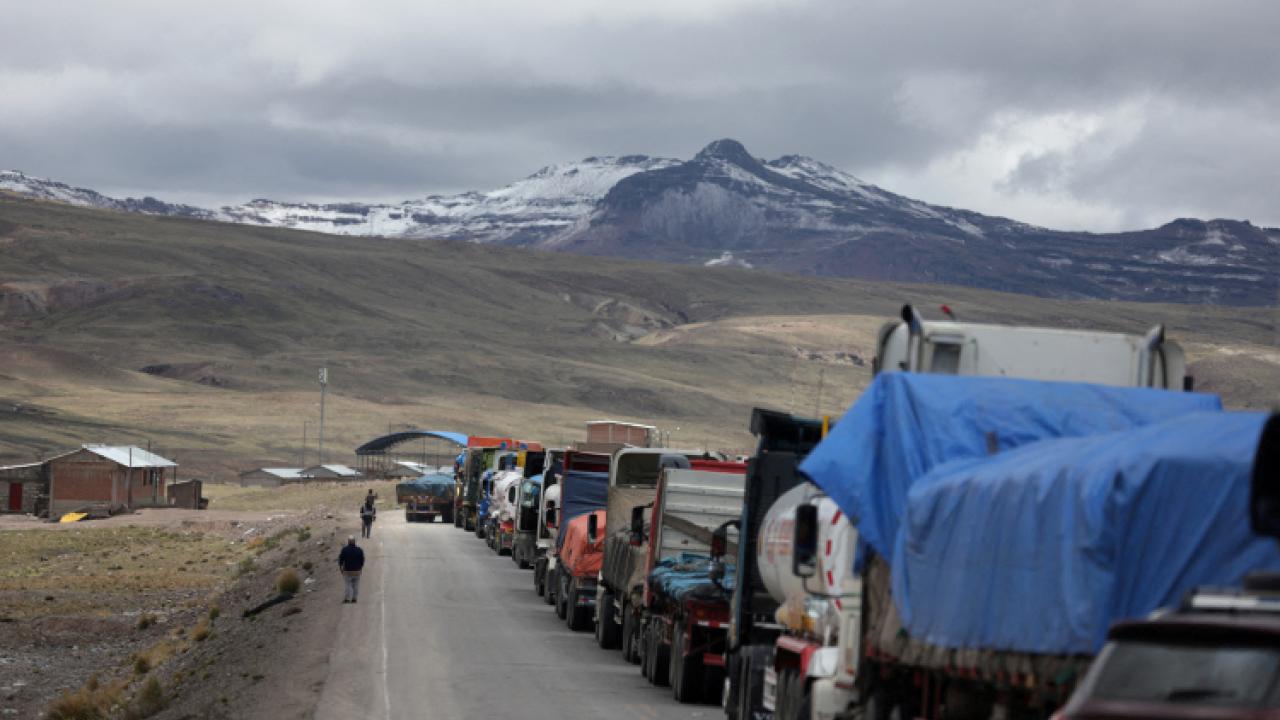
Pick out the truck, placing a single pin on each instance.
(547, 527)
(500, 526)
(684, 605)
(782, 441)
(481, 455)
(1166, 664)
(583, 487)
(526, 521)
(524, 548)
(427, 497)
(915, 345)
(581, 553)
(856, 649)
(633, 483)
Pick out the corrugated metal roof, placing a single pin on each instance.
(23, 466)
(130, 456)
(282, 473)
(335, 469)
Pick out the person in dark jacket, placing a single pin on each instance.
(351, 562)
(367, 514)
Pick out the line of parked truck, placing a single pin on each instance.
(1010, 522)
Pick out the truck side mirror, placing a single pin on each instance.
(804, 548)
(593, 527)
(720, 539)
(637, 526)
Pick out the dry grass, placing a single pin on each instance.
(101, 571)
(91, 702)
(299, 497)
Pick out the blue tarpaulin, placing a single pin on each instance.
(434, 480)
(905, 424)
(1040, 549)
(580, 493)
(679, 577)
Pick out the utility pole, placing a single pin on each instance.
(324, 385)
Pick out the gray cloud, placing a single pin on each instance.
(1085, 114)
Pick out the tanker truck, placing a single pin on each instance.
(545, 535)
(502, 511)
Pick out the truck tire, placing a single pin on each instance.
(751, 663)
(608, 632)
(658, 656)
(446, 517)
(630, 646)
(579, 618)
(686, 671)
(562, 607)
(787, 705)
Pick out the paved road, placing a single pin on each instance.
(446, 629)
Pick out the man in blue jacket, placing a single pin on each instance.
(351, 562)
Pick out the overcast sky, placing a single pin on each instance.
(1075, 114)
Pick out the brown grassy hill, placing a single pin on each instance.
(205, 338)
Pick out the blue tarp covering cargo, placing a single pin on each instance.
(580, 493)
(907, 423)
(1040, 549)
(677, 578)
(432, 484)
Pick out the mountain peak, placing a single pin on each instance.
(729, 150)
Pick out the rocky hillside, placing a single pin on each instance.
(795, 214)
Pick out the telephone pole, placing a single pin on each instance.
(324, 385)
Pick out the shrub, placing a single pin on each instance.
(150, 700)
(83, 704)
(145, 622)
(307, 566)
(214, 612)
(141, 665)
(288, 582)
(246, 566)
(201, 631)
(304, 534)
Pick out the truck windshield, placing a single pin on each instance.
(529, 494)
(1186, 674)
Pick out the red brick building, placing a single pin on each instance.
(107, 478)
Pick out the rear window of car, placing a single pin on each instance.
(1234, 676)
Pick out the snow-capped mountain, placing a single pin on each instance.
(725, 207)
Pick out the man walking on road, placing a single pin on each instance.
(351, 562)
(367, 515)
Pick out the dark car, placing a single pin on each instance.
(1217, 656)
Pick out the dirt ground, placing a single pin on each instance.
(81, 603)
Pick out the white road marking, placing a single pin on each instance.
(382, 611)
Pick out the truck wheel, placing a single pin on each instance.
(537, 583)
(786, 699)
(523, 564)
(629, 644)
(751, 664)
(686, 671)
(608, 632)
(660, 668)
(562, 608)
(646, 655)
(579, 618)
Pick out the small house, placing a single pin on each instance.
(409, 469)
(270, 477)
(107, 479)
(330, 472)
(22, 488)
